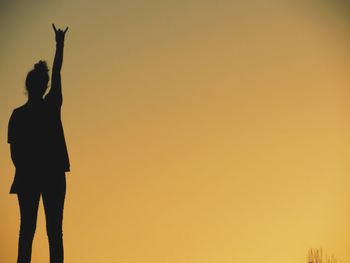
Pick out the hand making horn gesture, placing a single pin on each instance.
(59, 34)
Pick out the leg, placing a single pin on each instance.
(28, 204)
(53, 199)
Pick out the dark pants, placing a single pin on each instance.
(53, 200)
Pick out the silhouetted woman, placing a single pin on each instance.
(39, 153)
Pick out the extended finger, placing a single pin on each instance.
(54, 28)
(65, 30)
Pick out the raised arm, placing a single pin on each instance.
(55, 93)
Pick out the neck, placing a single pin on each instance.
(34, 100)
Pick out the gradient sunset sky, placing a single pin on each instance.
(198, 131)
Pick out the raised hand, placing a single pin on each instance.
(59, 35)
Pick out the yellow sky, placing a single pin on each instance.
(198, 131)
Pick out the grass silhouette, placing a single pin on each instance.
(316, 255)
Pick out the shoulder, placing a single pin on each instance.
(20, 111)
(52, 101)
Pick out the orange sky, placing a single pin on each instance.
(198, 131)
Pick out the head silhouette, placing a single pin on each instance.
(37, 80)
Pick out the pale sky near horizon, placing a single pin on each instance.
(198, 131)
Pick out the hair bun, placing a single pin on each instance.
(41, 66)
